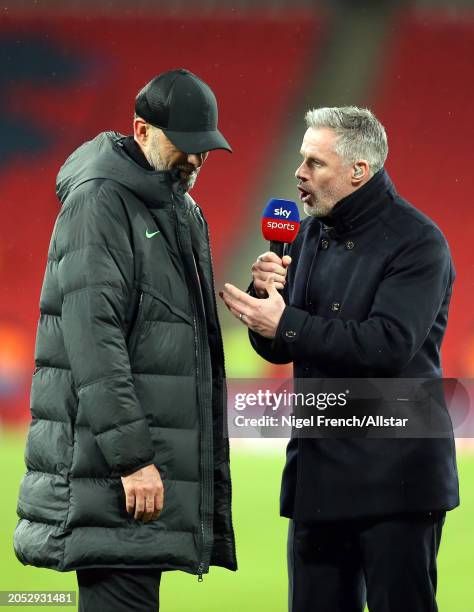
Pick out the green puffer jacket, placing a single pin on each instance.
(129, 371)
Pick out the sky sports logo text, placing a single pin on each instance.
(281, 212)
(285, 225)
(288, 399)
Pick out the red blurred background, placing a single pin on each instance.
(67, 75)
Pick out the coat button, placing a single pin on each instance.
(324, 244)
(335, 306)
(349, 245)
(290, 335)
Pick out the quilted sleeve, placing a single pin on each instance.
(96, 271)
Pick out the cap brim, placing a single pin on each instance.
(197, 142)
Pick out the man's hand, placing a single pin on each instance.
(144, 493)
(260, 315)
(269, 265)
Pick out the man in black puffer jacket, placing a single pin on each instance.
(127, 461)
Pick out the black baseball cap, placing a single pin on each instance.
(185, 108)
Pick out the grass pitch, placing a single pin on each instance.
(260, 583)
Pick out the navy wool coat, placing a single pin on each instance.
(367, 296)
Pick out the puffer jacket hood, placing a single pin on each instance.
(104, 158)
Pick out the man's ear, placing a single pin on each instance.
(360, 172)
(141, 130)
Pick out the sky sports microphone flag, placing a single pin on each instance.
(280, 223)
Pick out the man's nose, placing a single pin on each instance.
(196, 159)
(300, 174)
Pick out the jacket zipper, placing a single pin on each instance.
(224, 391)
(200, 571)
(206, 455)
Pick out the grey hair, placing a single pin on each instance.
(361, 135)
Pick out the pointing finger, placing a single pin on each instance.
(239, 295)
(235, 306)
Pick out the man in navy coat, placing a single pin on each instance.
(362, 293)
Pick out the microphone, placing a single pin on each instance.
(280, 224)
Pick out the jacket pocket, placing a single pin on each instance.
(161, 336)
(159, 308)
(135, 329)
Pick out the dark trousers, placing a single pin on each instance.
(390, 563)
(116, 590)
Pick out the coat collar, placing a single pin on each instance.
(361, 205)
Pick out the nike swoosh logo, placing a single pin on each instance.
(151, 234)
